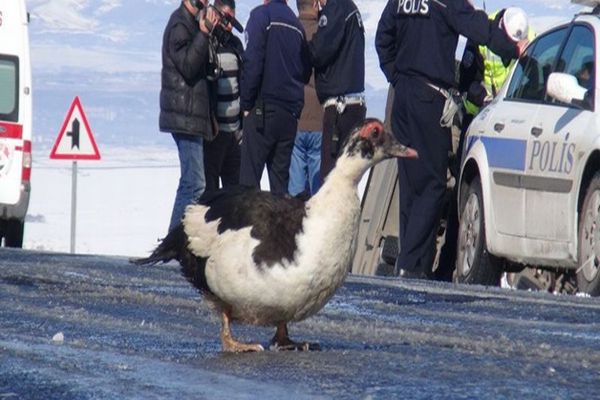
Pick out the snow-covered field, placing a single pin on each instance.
(123, 201)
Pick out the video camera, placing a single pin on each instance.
(225, 18)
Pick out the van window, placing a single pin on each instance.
(9, 88)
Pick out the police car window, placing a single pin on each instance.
(8, 90)
(577, 58)
(534, 67)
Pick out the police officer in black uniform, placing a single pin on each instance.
(337, 52)
(416, 42)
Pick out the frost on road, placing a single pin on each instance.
(94, 327)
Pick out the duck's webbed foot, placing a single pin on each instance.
(231, 345)
(282, 342)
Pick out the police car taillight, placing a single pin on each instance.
(27, 161)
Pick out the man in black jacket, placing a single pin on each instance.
(338, 55)
(185, 107)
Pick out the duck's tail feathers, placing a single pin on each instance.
(172, 247)
(193, 268)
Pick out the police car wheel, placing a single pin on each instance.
(474, 264)
(588, 269)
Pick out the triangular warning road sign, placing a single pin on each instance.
(75, 140)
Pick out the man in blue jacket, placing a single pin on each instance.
(275, 69)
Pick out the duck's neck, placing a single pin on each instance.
(330, 229)
(342, 180)
(348, 170)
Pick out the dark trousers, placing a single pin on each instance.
(415, 122)
(449, 250)
(222, 161)
(340, 125)
(268, 140)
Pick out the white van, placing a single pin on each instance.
(15, 121)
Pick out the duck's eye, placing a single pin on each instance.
(375, 133)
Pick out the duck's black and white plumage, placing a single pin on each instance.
(268, 260)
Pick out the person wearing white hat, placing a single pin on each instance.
(515, 23)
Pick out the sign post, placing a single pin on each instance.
(75, 141)
(73, 206)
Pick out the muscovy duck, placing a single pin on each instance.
(267, 260)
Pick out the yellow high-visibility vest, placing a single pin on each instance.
(495, 73)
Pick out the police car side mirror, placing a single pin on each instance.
(565, 88)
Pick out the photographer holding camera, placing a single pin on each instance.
(185, 96)
(222, 155)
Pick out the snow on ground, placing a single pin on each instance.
(138, 332)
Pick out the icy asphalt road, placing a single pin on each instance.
(144, 333)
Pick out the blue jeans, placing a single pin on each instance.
(191, 180)
(305, 168)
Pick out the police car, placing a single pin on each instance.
(529, 191)
(15, 121)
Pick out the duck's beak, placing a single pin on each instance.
(393, 148)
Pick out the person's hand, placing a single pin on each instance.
(317, 4)
(212, 17)
(246, 113)
(521, 45)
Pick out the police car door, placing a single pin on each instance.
(510, 126)
(552, 165)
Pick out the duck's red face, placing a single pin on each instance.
(372, 141)
(372, 129)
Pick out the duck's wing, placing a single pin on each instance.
(275, 220)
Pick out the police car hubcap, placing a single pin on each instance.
(590, 246)
(469, 233)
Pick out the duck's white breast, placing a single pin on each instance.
(287, 290)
